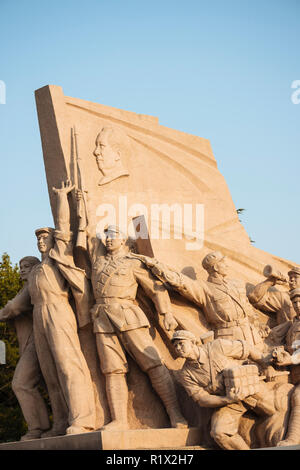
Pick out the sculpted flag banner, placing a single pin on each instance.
(161, 172)
(146, 179)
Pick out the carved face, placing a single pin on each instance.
(294, 280)
(113, 242)
(296, 305)
(184, 348)
(25, 268)
(45, 242)
(105, 155)
(222, 267)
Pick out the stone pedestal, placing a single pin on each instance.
(114, 440)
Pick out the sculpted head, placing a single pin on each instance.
(215, 262)
(112, 145)
(295, 298)
(114, 239)
(294, 277)
(45, 239)
(26, 264)
(185, 344)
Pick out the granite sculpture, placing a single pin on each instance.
(129, 198)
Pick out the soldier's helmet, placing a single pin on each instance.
(210, 260)
(183, 334)
(294, 270)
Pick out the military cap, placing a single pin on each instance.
(44, 230)
(114, 229)
(183, 334)
(211, 259)
(295, 293)
(294, 269)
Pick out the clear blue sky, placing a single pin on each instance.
(217, 69)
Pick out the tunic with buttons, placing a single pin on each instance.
(115, 281)
(224, 303)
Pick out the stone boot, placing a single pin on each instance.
(117, 396)
(293, 434)
(164, 386)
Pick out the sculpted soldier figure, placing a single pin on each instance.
(27, 375)
(275, 302)
(291, 357)
(57, 344)
(203, 377)
(120, 325)
(223, 301)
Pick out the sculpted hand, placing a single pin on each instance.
(235, 394)
(66, 187)
(157, 268)
(279, 279)
(170, 322)
(281, 357)
(264, 331)
(79, 195)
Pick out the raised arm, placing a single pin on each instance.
(192, 290)
(62, 208)
(260, 290)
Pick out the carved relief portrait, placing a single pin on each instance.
(111, 152)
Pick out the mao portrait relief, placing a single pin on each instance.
(112, 148)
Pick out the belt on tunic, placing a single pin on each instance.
(229, 324)
(58, 300)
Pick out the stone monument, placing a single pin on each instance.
(177, 320)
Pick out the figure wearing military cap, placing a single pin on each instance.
(276, 302)
(291, 357)
(62, 362)
(121, 326)
(27, 375)
(223, 301)
(202, 376)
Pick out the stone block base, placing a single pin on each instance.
(113, 440)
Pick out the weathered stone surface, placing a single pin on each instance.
(164, 165)
(149, 169)
(113, 440)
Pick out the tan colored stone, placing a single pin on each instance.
(291, 358)
(161, 167)
(63, 365)
(115, 440)
(214, 377)
(179, 168)
(27, 376)
(223, 301)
